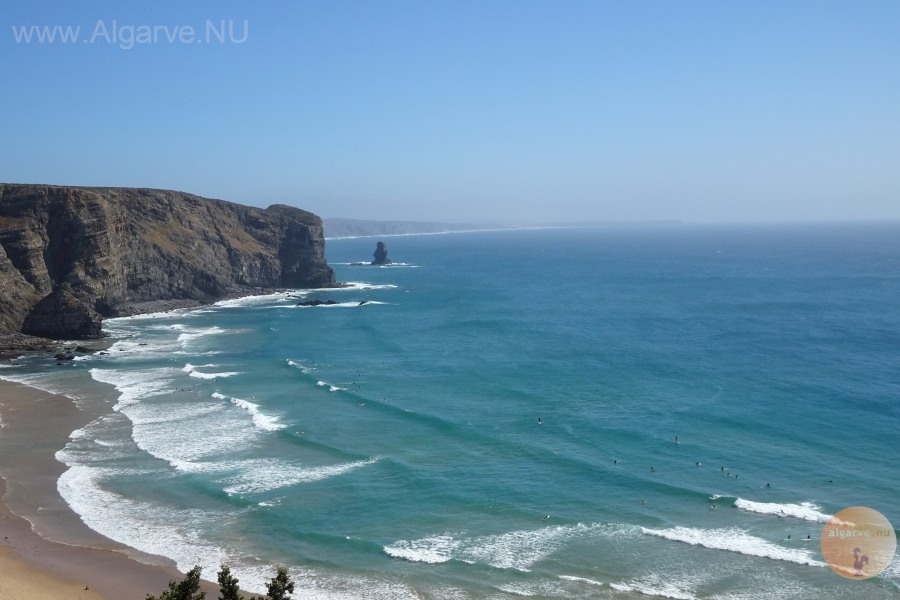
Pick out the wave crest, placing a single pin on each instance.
(734, 540)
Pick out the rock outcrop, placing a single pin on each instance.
(380, 254)
(70, 256)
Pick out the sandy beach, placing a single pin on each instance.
(47, 553)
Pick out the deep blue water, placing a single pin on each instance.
(412, 446)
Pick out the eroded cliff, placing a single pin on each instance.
(70, 256)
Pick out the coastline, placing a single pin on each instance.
(46, 552)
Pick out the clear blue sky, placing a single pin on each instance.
(460, 110)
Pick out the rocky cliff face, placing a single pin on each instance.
(70, 256)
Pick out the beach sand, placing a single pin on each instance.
(50, 554)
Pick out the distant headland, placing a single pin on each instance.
(337, 228)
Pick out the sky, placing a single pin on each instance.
(506, 111)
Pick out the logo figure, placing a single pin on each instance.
(850, 531)
(859, 562)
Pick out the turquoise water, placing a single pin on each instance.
(499, 418)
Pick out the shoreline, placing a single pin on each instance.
(46, 551)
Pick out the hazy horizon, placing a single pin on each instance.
(491, 112)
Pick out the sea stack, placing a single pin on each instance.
(380, 254)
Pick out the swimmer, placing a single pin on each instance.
(697, 464)
(546, 517)
(540, 422)
(714, 506)
(653, 469)
(642, 501)
(616, 461)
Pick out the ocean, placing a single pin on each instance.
(612, 412)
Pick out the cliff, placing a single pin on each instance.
(70, 256)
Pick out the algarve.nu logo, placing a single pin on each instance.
(858, 543)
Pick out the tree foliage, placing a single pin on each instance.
(278, 587)
(228, 585)
(186, 589)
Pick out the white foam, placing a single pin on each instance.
(581, 579)
(805, 510)
(199, 375)
(166, 314)
(180, 535)
(653, 586)
(253, 300)
(513, 550)
(735, 540)
(431, 550)
(188, 367)
(355, 286)
(189, 435)
(136, 347)
(150, 528)
(191, 370)
(195, 334)
(303, 369)
(544, 589)
(331, 388)
(354, 304)
(892, 571)
(136, 385)
(261, 420)
(183, 534)
(263, 475)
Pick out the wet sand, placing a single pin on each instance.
(46, 552)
